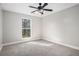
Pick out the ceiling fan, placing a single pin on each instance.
(40, 8)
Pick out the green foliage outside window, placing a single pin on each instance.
(26, 28)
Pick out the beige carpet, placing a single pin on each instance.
(38, 48)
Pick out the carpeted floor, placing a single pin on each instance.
(38, 48)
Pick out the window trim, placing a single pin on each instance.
(27, 28)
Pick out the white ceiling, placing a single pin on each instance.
(23, 8)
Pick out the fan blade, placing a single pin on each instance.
(45, 4)
(33, 7)
(34, 11)
(48, 9)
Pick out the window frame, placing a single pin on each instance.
(27, 28)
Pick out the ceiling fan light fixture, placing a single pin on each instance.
(40, 8)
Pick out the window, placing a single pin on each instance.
(26, 30)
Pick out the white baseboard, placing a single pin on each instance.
(11, 43)
(46, 38)
(67, 45)
(17, 42)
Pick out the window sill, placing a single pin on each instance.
(26, 38)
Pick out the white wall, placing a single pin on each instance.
(60, 27)
(0, 28)
(12, 27)
(63, 27)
